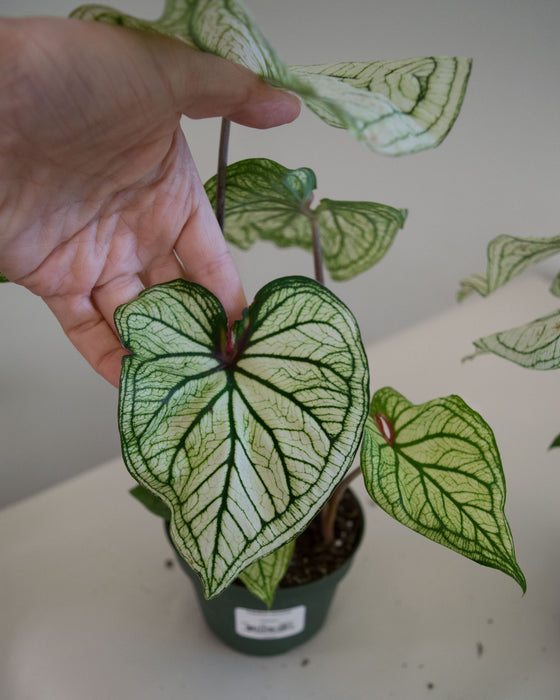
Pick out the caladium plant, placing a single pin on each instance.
(240, 434)
(535, 344)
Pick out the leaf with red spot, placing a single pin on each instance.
(436, 468)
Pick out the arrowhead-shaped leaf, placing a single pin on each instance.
(396, 107)
(535, 345)
(436, 469)
(356, 235)
(508, 256)
(265, 200)
(263, 576)
(243, 434)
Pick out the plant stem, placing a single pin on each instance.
(317, 251)
(328, 514)
(222, 170)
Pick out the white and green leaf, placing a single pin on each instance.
(436, 468)
(508, 257)
(534, 345)
(243, 433)
(356, 235)
(262, 577)
(396, 107)
(267, 201)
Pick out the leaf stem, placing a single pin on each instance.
(328, 514)
(317, 251)
(222, 172)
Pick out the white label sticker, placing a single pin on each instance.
(269, 624)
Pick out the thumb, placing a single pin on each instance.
(204, 85)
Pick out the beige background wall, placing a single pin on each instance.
(496, 173)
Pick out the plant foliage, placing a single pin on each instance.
(395, 107)
(436, 469)
(267, 201)
(240, 434)
(243, 433)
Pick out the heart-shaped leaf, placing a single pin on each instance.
(535, 345)
(436, 469)
(356, 235)
(262, 577)
(245, 433)
(265, 200)
(396, 107)
(508, 256)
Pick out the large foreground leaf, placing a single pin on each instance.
(508, 256)
(396, 107)
(436, 469)
(267, 201)
(535, 345)
(243, 434)
(263, 576)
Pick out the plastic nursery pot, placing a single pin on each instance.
(244, 623)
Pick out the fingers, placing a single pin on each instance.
(202, 250)
(90, 334)
(88, 323)
(204, 85)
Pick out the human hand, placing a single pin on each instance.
(99, 194)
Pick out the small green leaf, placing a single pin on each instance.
(268, 201)
(555, 442)
(535, 345)
(555, 286)
(243, 433)
(263, 576)
(151, 502)
(265, 200)
(3, 278)
(508, 257)
(356, 235)
(436, 469)
(396, 107)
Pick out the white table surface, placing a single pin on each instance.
(90, 611)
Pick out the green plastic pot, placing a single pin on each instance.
(244, 623)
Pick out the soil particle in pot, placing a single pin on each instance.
(312, 558)
(479, 649)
